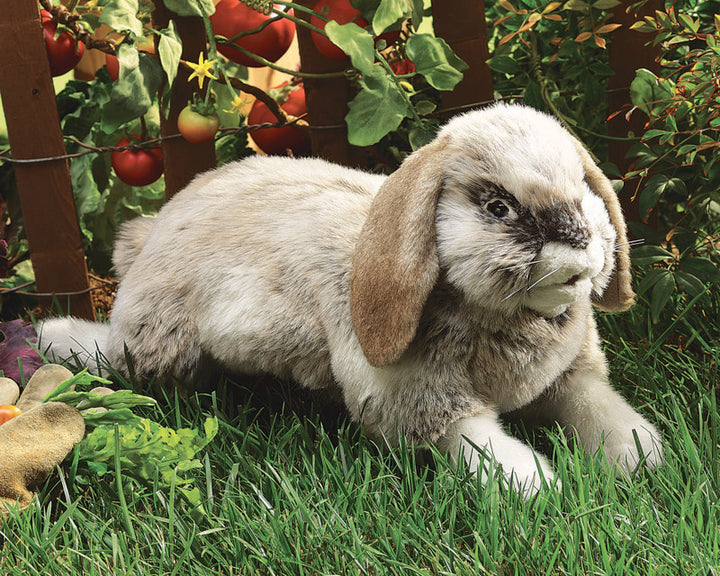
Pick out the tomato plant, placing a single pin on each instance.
(278, 140)
(232, 17)
(8, 412)
(148, 55)
(137, 167)
(64, 52)
(196, 127)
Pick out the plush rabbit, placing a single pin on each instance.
(457, 289)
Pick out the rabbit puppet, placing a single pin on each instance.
(457, 289)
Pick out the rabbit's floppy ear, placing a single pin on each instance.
(619, 294)
(395, 262)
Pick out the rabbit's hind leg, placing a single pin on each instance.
(154, 336)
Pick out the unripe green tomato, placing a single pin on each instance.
(196, 127)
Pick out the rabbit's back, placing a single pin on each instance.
(243, 265)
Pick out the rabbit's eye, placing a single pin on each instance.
(498, 208)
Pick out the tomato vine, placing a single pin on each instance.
(145, 58)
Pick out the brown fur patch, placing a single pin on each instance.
(395, 264)
(619, 295)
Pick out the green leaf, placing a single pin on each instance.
(606, 4)
(355, 42)
(88, 198)
(190, 7)
(575, 5)
(376, 110)
(505, 65)
(422, 133)
(594, 91)
(423, 107)
(647, 92)
(690, 283)
(704, 268)
(81, 379)
(135, 90)
(533, 95)
(123, 416)
(654, 133)
(147, 447)
(417, 10)
(112, 401)
(656, 187)
(650, 279)
(435, 60)
(649, 255)
(389, 13)
(661, 294)
(121, 15)
(170, 51)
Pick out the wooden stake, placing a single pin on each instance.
(326, 99)
(46, 196)
(462, 25)
(628, 52)
(183, 160)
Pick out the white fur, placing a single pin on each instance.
(481, 441)
(250, 267)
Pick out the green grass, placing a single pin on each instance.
(289, 487)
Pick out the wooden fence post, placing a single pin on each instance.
(46, 196)
(462, 24)
(628, 52)
(183, 160)
(326, 99)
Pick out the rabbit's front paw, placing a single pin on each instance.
(485, 446)
(522, 468)
(634, 443)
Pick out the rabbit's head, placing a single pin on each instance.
(514, 212)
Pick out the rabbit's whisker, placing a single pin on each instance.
(513, 293)
(519, 265)
(541, 279)
(630, 243)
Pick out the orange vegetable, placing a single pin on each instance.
(8, 412)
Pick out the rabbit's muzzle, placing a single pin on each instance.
(562, 275)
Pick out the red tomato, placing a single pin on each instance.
(8, 412)
(64, 52)
(196, 127)
(342, 12)
(232, 17)
(400, 67)
(113, 66)
(278, 140)
(137, 167)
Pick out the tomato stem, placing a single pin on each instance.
(143, 129)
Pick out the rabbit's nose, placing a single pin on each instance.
(560, 263)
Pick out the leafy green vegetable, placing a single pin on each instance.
(81, 379)
(146, 448)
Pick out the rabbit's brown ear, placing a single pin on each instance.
(619, 294)
(395, 263)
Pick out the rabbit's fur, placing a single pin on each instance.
(457, 289)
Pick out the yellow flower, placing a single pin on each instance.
(201, 70)
(237, 104)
